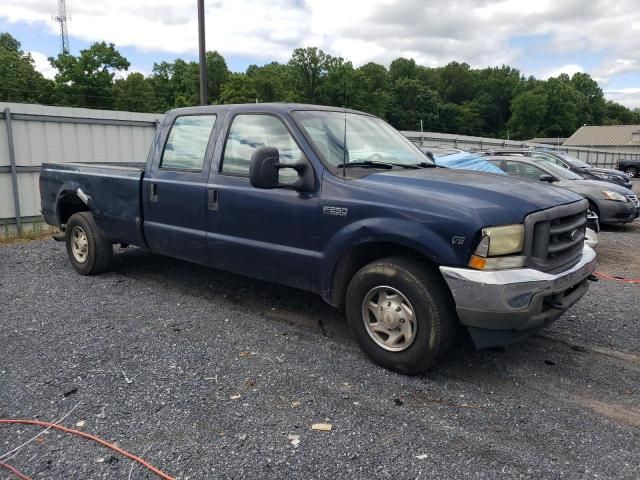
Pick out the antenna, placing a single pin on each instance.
(62, 18)
(344, 141)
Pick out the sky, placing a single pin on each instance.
(540, 37)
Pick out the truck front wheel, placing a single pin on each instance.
(401, 314)
(89, 251)
(631, 171)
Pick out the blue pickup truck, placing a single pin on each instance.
(339, 203)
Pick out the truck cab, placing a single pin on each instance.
(337, 202)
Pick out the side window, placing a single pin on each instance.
(552, 159)
(187, 142)
(519, 169)
(249, 132)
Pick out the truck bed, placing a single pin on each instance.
(112, 190)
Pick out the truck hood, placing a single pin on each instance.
(498, 198)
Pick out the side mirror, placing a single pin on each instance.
(545, 177)
(264, 171)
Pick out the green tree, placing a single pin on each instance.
(19, 80)
(562, 107)
(375, 89)
(217, 75)
(240, 88)
(160, 81)
(271, 82)
(497, 87)
(411, 103)
(528, 112)
(616, 114)
(458, 83)
(591, 105)
(185, 82)
(87, 80)
(402, 68)
(309, 67)
(135, 94)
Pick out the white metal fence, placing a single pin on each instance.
(34, 134)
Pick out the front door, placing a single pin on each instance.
(175, 190)
(267, 234)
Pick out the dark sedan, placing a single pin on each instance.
(583, 169)
(612, 203)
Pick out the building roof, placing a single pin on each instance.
(548, 141)
(609, 136)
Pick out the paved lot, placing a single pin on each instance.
(189, 340)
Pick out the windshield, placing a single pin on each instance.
(368, 139)
(558, 171)
(575, 161)
(467, 161)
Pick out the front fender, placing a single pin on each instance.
(406, 233)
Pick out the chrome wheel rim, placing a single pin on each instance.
(79, 244)
(389, 318)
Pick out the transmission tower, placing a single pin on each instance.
(62, 18)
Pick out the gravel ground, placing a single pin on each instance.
(209, 373)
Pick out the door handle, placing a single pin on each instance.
(153, 192)
(212, 199)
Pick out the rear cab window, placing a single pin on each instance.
(187, 143)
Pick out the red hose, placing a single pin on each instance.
(131, 456)
(15, 471)
(606, 276)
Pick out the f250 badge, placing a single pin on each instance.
(335, 211)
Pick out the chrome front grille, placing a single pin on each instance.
(555, 237)
(633, 198)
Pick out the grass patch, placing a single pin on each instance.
(37, 231)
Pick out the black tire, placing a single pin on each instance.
(434, 312)
(98, 257)
(631, 171)
(594, 208)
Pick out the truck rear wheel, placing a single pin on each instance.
(90, 252)
(401, 314)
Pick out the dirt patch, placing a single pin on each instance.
(617, 254)
(620, 413)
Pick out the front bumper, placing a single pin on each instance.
(617, 212)
(503, 306)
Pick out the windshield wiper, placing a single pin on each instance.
(367, 164)
(387, 165)
(426, 165)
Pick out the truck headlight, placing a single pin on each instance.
(496, 247)
(615, 196)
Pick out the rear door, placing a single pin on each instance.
(267, 234)
(175, 188)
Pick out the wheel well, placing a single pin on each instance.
(68, 204)
(593, 207)
(360, 255)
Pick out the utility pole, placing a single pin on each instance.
(62, 18)
(203, 56)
